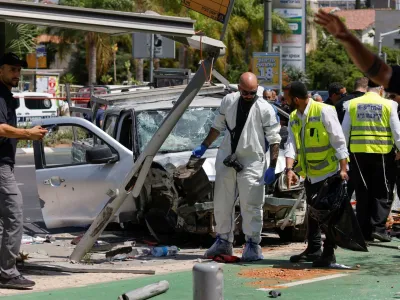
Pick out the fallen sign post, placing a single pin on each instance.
(30, 266)
(134, 181)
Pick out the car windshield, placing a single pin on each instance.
(190, 131)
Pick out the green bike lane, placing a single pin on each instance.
(378, 277)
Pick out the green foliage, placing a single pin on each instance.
(20, 38)
(330, 63)
(295, 74)
(106, 79)
(68, 78)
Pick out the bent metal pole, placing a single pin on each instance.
(133, 182)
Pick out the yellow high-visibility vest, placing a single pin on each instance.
(370, 124)
(316, 157)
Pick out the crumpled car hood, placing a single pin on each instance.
(181, 158)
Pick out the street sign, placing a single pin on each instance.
(163, 47)
(214, 9)
(40, 51)
(293, 45)
(268, 69)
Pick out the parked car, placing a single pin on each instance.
(73, 192)
(33, 105)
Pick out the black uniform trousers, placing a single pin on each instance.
(313, 227)
(375, 196)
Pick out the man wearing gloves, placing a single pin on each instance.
(317, 141)
(240, 165)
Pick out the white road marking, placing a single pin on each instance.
(24, 166)
(20, 184)
(290, 284)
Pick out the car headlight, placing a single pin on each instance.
(47, 103)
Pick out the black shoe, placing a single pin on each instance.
(324, 261)
(306, 256)
(18, 282)
(383, 237)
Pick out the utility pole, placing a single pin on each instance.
(381, 36)
(2, 38)
(151, 58)
(267, 43)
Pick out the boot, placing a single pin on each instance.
(326, 259)
(252, 252)
(383, 237)
(306, 256)
(220, 246)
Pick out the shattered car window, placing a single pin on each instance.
(190, 131)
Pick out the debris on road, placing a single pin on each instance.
(164, 251)
(26, 239)
(146, 292)
(275, 294)
(63, 269)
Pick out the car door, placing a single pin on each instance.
(72, 190)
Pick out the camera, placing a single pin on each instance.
(232, 162)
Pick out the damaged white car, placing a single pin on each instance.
(178, 193)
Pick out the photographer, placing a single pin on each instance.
(240, 165)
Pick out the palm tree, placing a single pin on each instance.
(98, 46)
(244, 34)
(20, 38)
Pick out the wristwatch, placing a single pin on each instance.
(288, 169)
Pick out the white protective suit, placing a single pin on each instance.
(261, 123)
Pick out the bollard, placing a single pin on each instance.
(208, 282)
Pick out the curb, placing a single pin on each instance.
(46, 150)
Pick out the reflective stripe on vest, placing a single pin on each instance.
(371, 128)
(370, 118)
(315, 156)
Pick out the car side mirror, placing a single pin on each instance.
(100, 154)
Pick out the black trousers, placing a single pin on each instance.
(375, 196)
(313, 227)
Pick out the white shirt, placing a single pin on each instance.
(331, 123)
(393, 121)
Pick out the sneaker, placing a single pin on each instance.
(324, 261)
(220, 246)
(18, 282)
(383, 237)
(252, 252)
(306, 256)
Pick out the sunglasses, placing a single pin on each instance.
(247, 93)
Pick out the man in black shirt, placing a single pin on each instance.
(11, 220)
(360, 88)
(336, 92)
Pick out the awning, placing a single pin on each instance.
(96, 20)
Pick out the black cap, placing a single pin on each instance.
(13, 60)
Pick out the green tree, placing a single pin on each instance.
(98, 46)
(20, 38)
(330, 63)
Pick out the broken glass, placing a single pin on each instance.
(190, 131)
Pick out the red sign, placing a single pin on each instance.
(52, 82)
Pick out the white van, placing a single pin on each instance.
(34, 105)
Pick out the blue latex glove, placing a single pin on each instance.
(199, 151)
(269, 176)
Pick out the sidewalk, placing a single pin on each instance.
(46, 150)
(378, 277)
